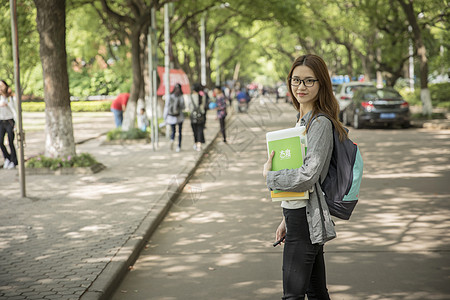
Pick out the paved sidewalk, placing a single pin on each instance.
(217, 243)
(75, 235)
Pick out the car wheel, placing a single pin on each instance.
(345, 118)
(407, 124)
(356, 123)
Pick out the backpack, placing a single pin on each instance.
(343, 180)
(197, 117)
(174, 108)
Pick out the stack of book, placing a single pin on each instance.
(290, 146)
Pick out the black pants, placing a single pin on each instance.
(174, 129)
(222, 128)
(199, 136)
(303, 262)
(7, 126)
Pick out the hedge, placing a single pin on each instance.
(77, 106)
(440, 95)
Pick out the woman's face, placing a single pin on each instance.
(303, 94)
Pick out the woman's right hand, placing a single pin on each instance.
(281, 230)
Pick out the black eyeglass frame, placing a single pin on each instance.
(304, 82)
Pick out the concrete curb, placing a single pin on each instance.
(432, 124)
(103, 287)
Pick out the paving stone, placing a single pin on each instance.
(69, 228)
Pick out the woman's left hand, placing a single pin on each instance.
(268, 164)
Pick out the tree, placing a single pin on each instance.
(30, 69)
(51, 25)
(411, 15)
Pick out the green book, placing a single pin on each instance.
(290, 148)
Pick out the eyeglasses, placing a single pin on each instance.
(307, 82)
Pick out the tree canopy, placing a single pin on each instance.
(355, 37)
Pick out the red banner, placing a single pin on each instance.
(176, 76)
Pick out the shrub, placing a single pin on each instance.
(41, 161)
(90, 106)
(76, 106)
(132, 134)
(440, 95)
(420, 116)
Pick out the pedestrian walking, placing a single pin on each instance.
(221, 110)
(173, 115)
(198, 116)
(118, 106)
(7, 123)
(306, 224)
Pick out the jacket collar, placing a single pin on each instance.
(306, 118)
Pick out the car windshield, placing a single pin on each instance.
(350, 90)
(381, 94)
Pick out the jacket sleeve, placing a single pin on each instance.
(320, 143)
(191, 102)
(183, 105)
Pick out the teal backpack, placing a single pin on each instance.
(343, 180)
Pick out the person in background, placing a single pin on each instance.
(306, 224)
(118, 107)
(7, 123)
(221, 110)
(198, 99)
(173, 115)
(204, 92)
(243, 99)
(142, 119)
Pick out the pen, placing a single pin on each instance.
(279, 241)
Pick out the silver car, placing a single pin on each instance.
(344, 96)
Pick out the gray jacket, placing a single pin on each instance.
(315, 167)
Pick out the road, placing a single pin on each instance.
(215, 243)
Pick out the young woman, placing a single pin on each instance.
(306, 224)
(221, 110)
(7, 115)
(173, 115)
(198, 100)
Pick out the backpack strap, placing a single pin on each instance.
(315, 117)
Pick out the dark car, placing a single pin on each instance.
(382, 106)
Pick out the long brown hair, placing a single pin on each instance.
(8, 91)
(326, 103)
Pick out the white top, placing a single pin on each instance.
(7, 108)
(172, 120)
(195, 99)
(142, 120)
(294, 204)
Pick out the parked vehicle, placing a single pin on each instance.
(283, 92)
(344, 94)
(335, 88)
(372, 105)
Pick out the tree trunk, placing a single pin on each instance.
(51, 25)
(349, 63)
(422, 53)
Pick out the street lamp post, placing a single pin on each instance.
(203, 50)
(411, 62)
(21, 135)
